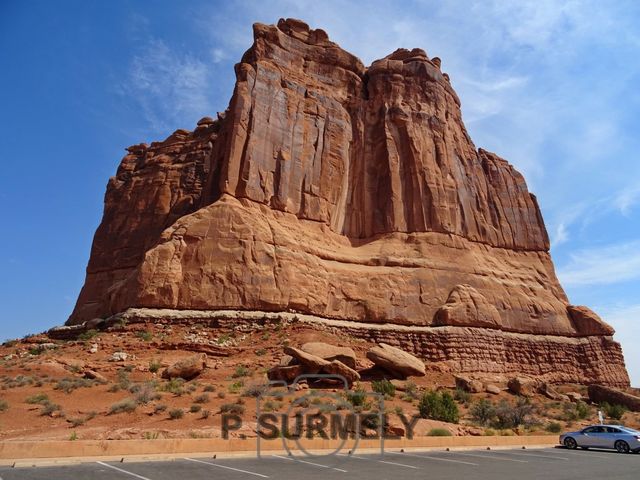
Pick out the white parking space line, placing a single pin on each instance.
(376, 460)
(434, 458)
(310, 463)
(122, 471)
(535, 455)
(583, 454)
(494, 457)
(227, 468)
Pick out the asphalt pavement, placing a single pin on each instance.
(548, 463)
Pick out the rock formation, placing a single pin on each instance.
(351, 194)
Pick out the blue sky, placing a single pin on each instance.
(551, 86)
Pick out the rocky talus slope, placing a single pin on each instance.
(350, 194)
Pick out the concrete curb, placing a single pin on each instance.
(50, 453)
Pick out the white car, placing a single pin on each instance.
(617, 437)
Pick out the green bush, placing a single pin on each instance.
(384, 387)
(204, 398)
(439, 432)
(241, 371)
(68, 385)
(195, 408)
(50, 408)
(357, 397)
(155, 366)
(553, 427)
(482, 411)
(439, 406)
(209, 388)
(462, 396)
(613, 411)
(88, 335)
(127, 405)
(145, 335)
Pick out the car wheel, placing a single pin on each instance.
(622, 446)
(571, 443)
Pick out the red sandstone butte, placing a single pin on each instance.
(350, 194)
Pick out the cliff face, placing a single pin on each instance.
(335, 190)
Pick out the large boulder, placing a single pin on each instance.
(469, 384)
(397, 362)
(187, 368)
(312, 363)
(331, 352)
(613, 396)
(285, 373)
(336, 367)
(522, 386)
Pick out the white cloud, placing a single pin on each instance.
(561, 235)
(171, 88)
(627, 198)
(624, 318)
(601, 266)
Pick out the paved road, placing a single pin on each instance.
(550, 463)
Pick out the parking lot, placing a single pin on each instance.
(547, 463)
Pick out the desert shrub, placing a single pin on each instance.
(255, 390)
(488, 432)
(410, 392)
(553, 427)
(174, 385)
(240, 371)
(50, 408)
(160, 408)
(232, 408)
(195, 408)
(439, 432)
(68, 385)
(462, 396)
(155, 366)
(357, 397)
(398, 410)
(384, 387)
(572, 412)
(4, 406)
(145, 393)
(235, 387)
(37, 399)
(205, 414)
(144, 335)
(73, 437)
(176, 414)
(209, 388)
(222, 394)
(88, 335)
(613, 411)
(260, 352)
(439, 406)
(482, 411)
(513, 415)
(127, 405)
(204, 398)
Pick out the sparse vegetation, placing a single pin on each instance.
(73, 437)
(241, 371)
(209, 388)
(260, 352)
(155, 366)
(127, 405)
(572, 412)
(553, 427)
(205, 414)
(4, 406)
(204, 398)
(144, 335)
(357, 397)
(509, 415)
(37, 399)
(49, 409)
(175, 386)
(235, 408)
(160, 408)
(236, 386)
(439, 406)
(384, 387)
(255, 390)
(462, 396)
(195, 408)
(144, 393)
(613, 411)
(439, 432)
(88, 335)
(482, 411)
(176, 414)
(68, 385)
